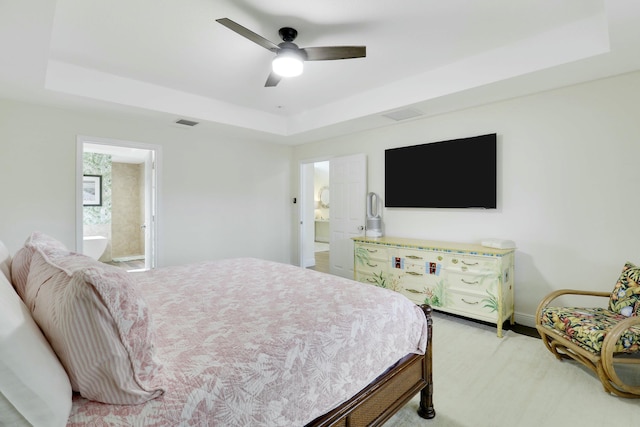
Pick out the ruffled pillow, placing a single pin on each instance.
(98, 325)
(22, 259)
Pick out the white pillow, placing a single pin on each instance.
(34, 388)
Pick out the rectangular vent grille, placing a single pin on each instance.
(405, 114)
(186, 122)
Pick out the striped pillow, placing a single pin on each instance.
(22, 259)
(98, 325)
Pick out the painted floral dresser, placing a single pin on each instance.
(459, 278)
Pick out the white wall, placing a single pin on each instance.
(220, 196)
(567, 191)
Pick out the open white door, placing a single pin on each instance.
(149, 225)
(306, 245)
(348, 187)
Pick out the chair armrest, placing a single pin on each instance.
(608, 354)
(555, 294)
(612, 337)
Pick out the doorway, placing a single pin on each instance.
(321, 215)
(124, 216)
(332, 195)
(315, 216)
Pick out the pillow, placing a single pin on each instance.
(20, 269)
(5, 262)
(34, 388)
(22, 258)
(98, 326)
(625, 298)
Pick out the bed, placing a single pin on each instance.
(229, 342)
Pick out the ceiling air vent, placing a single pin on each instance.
(186, 122)
(407, 113)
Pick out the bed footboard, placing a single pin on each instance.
(375, 404)
(426, 409)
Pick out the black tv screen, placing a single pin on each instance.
(459, 173)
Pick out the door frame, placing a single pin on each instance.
(152, 191)
(306, 210)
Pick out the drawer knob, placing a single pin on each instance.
(414, 257)
(372, 265)
(469, 263)
(373, 251)
(470, 283)
(470, 303)
(413, 273)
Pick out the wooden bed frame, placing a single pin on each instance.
(376, 403)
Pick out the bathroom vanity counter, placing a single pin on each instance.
(322, 230)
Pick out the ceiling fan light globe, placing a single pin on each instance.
(287, 65)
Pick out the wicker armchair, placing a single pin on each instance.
(602, 339)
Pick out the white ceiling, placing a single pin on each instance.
(172, 60)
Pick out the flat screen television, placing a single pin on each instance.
(459, 173)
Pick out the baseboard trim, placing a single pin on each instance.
(525, 319)
(128, 258)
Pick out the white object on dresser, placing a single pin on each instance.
(499, 243)
(460, 278)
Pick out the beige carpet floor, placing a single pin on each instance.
(484, 381)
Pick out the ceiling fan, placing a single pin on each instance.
(289, 57)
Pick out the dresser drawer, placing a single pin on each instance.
(413, 296)
(476, 305)
(419, 256)
(413, 285)
(471, 282)
(373, 266)
(372, 252)
(417, 263)
(473, 264)
(378, 278)
(371, 258)
(427, 289)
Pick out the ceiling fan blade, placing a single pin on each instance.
(272, 80)
(247, 33)
(334, 52)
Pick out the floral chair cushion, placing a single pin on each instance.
(625, 298)
(587, 327)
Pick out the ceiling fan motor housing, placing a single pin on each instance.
(288, 34)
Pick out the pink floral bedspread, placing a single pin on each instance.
(247, 342)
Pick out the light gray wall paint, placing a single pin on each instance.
(220, 197)
(567, 187)
(567, 192)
